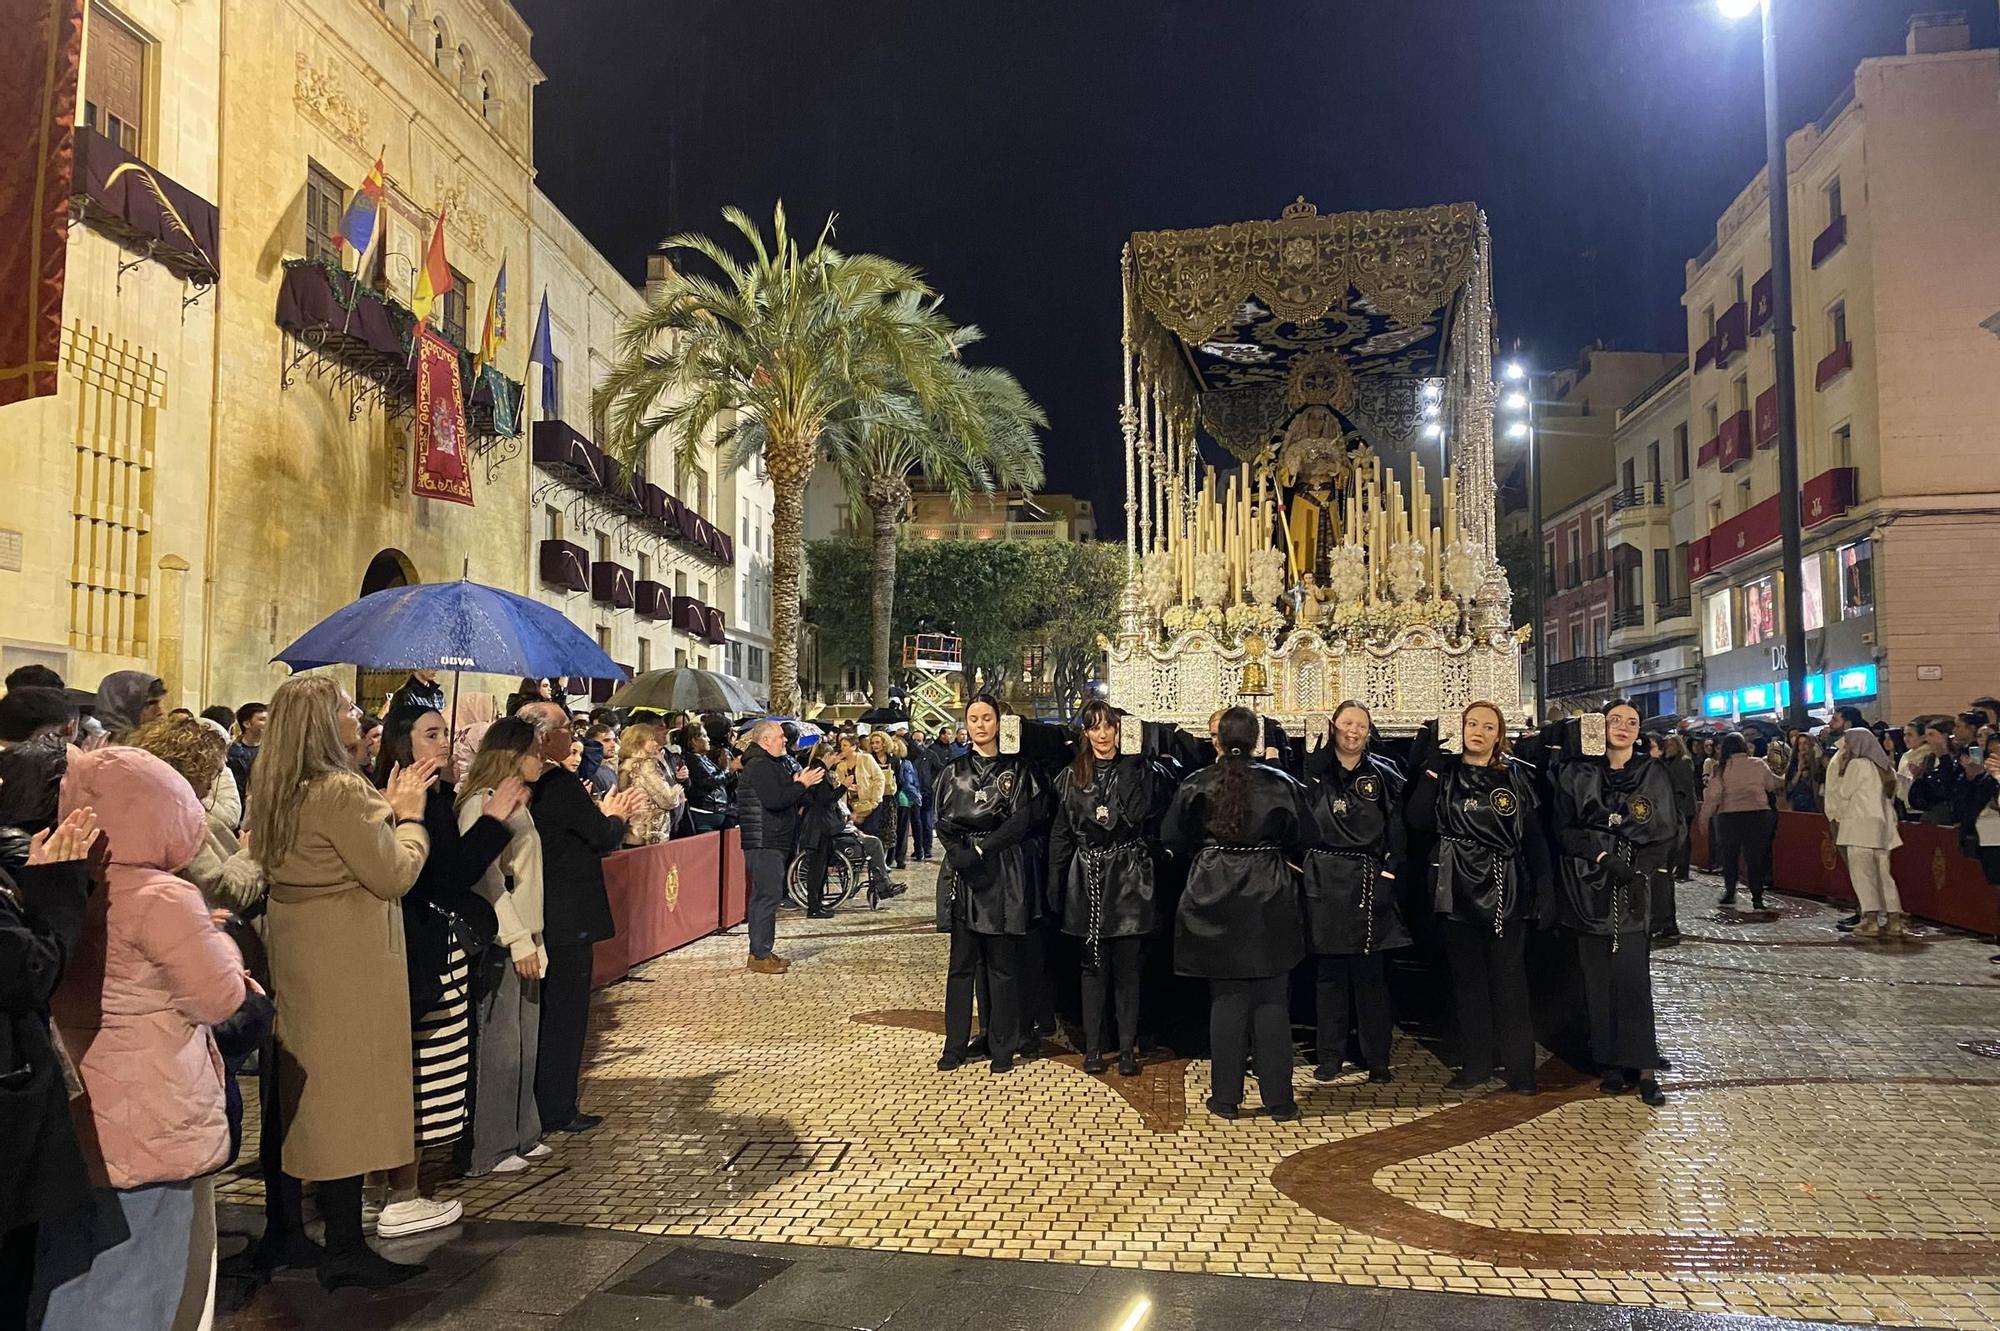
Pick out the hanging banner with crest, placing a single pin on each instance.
(441, 470)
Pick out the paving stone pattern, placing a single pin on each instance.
(1831, 1151)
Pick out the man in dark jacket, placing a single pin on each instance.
(923, 817)
(576, 835)
(42, 1172)
(770, 792)
(250, 720)
(422, 691)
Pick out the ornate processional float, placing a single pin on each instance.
(1345, 363)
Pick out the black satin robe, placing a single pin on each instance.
(1491, 858)
(1630, 813)
(1351, 907)
(1100, 866)
(1241, 915)
(999, 805)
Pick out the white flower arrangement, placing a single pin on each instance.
(1266, 581)
(1347, 573)
(1160, 580)
(1211, 579)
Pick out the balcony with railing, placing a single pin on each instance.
(1834, 364)
(1681, 607)
(146, 211)
(1628, 617)
(565, 566)
(1582, 674)
(1635, 511)
(1732, 333)
(1732, 444)
(1828, 242)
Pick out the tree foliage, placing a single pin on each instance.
(999, 596)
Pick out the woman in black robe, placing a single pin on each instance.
(1351, 877)
(1486, 878)
(989, 889)
(1618, 827)
(1244, 827)
(1102, 871)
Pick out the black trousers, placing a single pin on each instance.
(1261, 1011)
(1038, 995)
(1618, 990)
(766, 869)
(1746, 836)
(817, 858)
(1116, 976)
(1364, 979)
(284, 1196)
(990, 965)
(1666, 917)
(565, 1023)
(1489, 979)
(924, 825)
(906, 829)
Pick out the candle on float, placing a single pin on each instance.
(1437, 563)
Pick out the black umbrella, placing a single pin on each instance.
(684, 689)
(885, 716)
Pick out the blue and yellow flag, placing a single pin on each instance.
(494, 335)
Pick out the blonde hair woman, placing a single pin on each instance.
(640, 768)
(338, 856)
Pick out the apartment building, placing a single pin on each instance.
(1655, 658)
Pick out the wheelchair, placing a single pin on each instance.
(847, 874)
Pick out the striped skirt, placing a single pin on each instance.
(443, 1057)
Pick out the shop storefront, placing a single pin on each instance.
(1742, 638)
(1660, 681)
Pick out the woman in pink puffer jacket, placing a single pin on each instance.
(149, 976)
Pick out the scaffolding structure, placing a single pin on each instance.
(935, 663)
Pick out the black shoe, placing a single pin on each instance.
(1650, 1092)
(1467, 1081)
(1526, 1086)
(581, 1123)
(1663, 1063)
(1128, 1064)
(1286, 1113)
(1757, 903)
(1667, 938)
(1614, 1083)
(297, 1253)
(1729, 898)
(1327, 1071)
(821, 914)
(365, 1269)
(1846, 923)
(1004, 1063)
(1093, 1063)
(1380, 1075)
(1030, 1048)
(976, 1047)
(1220, 1110)
(950, 1062)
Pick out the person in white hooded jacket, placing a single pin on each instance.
(506, 1125)
(1860, 803)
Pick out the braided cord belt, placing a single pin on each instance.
(1499, 878)
(1367, 889)
(1096, 860)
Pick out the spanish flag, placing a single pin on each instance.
(364, 212)
(434, 278)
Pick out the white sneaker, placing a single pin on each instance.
(513, 1164)
(415, 1216)
(539, 1151)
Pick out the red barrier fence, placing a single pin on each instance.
(1935, 881)
(662, 897)
(735, 880)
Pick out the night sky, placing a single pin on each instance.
(1008, 147)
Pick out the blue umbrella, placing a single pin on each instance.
(451, 626)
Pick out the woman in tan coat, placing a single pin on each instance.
(337, 856)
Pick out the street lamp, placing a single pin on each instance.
(1523, 400)
(1781, 347)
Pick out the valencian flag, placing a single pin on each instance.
(540, 352)
(38, 76)
(493, 335)
(364, 214)
(434, 278)
(440, 429)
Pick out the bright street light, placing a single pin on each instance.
(1518, 430)
(1513, 370)
(1735, 9)
(1515, 401)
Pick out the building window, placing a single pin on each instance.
(552, 406)
(1629, 471)
(1549, 583)
(438, 44)
(1599, 630)
(1836, 325)
(1856, 562)
(1743, 495)
(455, 302)
(552, 523)
(603, 547)
(604, 638)
(1736, 285)
(1843, 445)
(680, 657)
(1663, 575)
(1718, 630)
(1680, 452)
(468, 83)
(701, 592)
(1653, 463)
(488, 107)
(1759, 610)
(1675, 585)
(1812, 594)
(324, 197)
(1707, 321)
(645, 655)
(1742, 390)
(1575, 639)
(645, 567)
(114, 81)
(1834, 211)
(1712, 418)
(1714, 514)
(680, 583)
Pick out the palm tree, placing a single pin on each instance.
(767, 354)
(877, 452)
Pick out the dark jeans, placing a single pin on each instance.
(1489, 979)
(1116, 977)
(1261, 1011)
(284, 1198)
(817, 858)
(990, 964)
(1365, 978)
(565, 1025)
(766, 869)
(923, 825)
(1747, 836)
(1618, 990)
(906, 826)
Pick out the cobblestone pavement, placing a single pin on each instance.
(1831, 1149)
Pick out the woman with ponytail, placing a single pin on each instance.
(1351, 877)
(1244, 827)
(1486, 874)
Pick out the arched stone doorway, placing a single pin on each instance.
(389, 568)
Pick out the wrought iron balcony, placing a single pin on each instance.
(1582, 674)
(1679, 608)
(565, 565)
(1628, 617)
(1639, 496)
